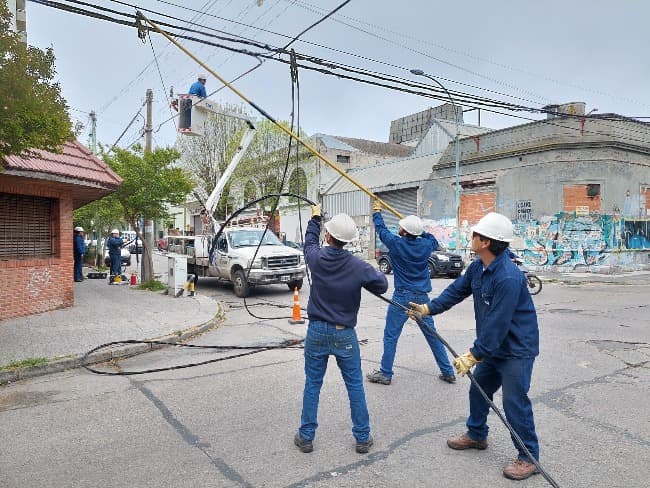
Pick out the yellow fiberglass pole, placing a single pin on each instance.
(269, 117)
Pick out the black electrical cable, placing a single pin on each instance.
(496, 410)
(288, 344)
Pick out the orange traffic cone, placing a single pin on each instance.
(296, 318)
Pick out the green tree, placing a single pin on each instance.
(152, 181)
(207, 157)
(98, 218)
(33, 114)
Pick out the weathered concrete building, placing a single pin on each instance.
(577, 186)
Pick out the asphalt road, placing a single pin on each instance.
(231, 423)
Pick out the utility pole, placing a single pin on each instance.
(99, 249)
(147, 225)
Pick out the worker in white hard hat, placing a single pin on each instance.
(198, 87)
(409, 254)
(334, 299)
(114, 244)
(79, 251)
(506, 344)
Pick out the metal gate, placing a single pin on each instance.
(404, 201)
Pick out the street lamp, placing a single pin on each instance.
(419, 72)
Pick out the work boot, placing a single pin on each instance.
(448, 378)
(303, 444)
(465, 442)
(378, 377)
(520, 470)
(364, 447)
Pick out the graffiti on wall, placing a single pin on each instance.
(566, 241)
(38, 280)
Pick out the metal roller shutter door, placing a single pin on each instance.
(25, 226)
(404, 201)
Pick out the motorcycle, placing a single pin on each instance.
(533, 281)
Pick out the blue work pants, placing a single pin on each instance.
(78, 267)
(324, 339)
(513, 376)
(116, 265)
(395, 319)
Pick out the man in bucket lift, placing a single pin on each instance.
(198, 87)
(506, 344)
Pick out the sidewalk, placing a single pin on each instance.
(101, 313)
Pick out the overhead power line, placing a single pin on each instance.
(323, 66)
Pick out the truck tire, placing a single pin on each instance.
(239, 284)
(295, 284)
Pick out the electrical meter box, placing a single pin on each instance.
(176, 273)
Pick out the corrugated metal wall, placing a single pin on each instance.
(353, 203)
(404, 201)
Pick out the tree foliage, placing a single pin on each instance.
(33, 114)
(207, 157)
(152, 181)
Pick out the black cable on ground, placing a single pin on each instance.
(496, 410)
(288, 344)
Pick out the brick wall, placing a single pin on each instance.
(38, 285)
(473, 206)
(576, 196)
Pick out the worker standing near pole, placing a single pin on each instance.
(337, 279)
(114, 244)
(506, 344)
(409, 253)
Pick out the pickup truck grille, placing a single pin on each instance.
(279, 262)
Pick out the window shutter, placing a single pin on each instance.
(25, 226)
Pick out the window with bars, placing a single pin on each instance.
(25, 226)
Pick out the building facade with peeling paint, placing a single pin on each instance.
(577, 187)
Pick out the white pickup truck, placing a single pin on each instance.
(231, 260)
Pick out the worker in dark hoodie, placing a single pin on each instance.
(337, 279)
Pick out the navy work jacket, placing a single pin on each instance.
(337, 278)
(408, 257)
(114, 245)
(506, 321)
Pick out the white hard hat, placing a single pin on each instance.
(342, 228)
(115, 231)
(79, 229)
(202, 76)
(495, 226)
(412, 224)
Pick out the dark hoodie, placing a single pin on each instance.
(337, 278)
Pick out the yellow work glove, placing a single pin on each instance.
(376, 206)
(417, 310)
(316, 211)
(464, 363)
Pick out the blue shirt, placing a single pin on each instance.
(408, 257)
(114, 245)
(79, 245)
(337, 278)
(506, 321)
(198, 89)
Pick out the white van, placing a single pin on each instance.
(129, 237)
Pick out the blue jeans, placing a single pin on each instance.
(323, 340)
(513, 376)
(116, 265)
(395, 319)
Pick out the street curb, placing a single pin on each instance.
(114, 352)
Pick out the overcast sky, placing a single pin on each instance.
(532, 53)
